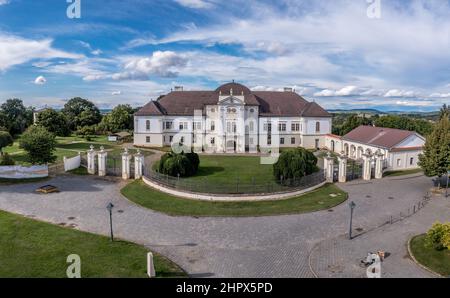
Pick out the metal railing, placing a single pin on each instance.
(236, 185)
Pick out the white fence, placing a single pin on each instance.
(19, 172)
(72, 163)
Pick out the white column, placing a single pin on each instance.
(102, 154)
(138, 165)
(379, 165)
(91, 160)
(366, 167)
(150, 266)
(126, 158)
(342, 168)
(329, 168)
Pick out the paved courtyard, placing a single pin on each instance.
(278, 246)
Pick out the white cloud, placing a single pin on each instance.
(16, 50)
(4, 2)
(440, 95)
(197, 4)
(89, 47)
(161, 63)
(40, 80)
(400, 93)
(116, 93)
(346, 91)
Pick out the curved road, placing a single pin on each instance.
(276, 246)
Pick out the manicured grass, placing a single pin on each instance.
(83, 146)
(437, 261)
(147, 197)
(30, 248)
(401, 173)
(226, 169)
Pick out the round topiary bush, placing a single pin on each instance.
(294, 164)
(182, 164)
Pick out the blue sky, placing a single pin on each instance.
(132, 51)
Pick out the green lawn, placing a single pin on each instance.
(401, 173)
(30, 248)
(437, 261)
(320, 199)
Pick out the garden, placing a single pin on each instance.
(432, 250)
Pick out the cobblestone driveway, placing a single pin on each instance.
(276, 246)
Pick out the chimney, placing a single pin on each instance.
(288, 89)
(178, 88)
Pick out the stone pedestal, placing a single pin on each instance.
(91, 161)
(379, 158)
(138, 165)
(367, 169)
(126, 158)
(342, 168)
(102, 154)
(329, 168)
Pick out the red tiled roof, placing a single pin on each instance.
(183, 103)
(378, 136)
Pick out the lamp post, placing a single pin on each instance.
(352, 206)
(110, 208)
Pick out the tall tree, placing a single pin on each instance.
(55, 122)
(81, 112)
(39, 144)
(5, 140)
(17, 115)
(120, 118)
(435, 160)
(444, 112)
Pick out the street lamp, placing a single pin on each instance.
(110, 208)
(352, 206)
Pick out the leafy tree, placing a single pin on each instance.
(3, 121)
(435, 160)
(55, 122)
(174, 164)
(351, 123)
(444, 112)
(18, 117)
(81, 112)
(5, 140)
(420, 126)
(438, 236)
(39, 144)
(6, 160)
(120, 118)
(294, 163)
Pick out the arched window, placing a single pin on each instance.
(147, 124)
(317, 126)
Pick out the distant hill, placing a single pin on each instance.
(367, 111)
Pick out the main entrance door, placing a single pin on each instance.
(231, 146)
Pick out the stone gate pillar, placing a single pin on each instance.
(342, 168)
(379, 158)
(329, 168)
(102, 154)
(126, 158)
(138, 165)
(91, 161)
(367, 168)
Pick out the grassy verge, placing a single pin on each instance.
(81, 171)
(437, 261)
(19, 181)
(401, 173)
(30, 248)
(324, 198)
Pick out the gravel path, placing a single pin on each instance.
(276, 246)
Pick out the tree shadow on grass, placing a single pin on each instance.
(207, 171)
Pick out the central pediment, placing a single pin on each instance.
(231, 100)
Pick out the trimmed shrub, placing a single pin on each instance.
(295, 163)
(173, 164)
(438, 237)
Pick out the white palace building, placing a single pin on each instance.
(232, 119)
(235, 119)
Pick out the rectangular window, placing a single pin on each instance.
(213, 141)
(268, 126)
(250, 141)
(168, 125)
(147, 139)
(293, 141)
(197, 125)
(317, 144)
(213, 126)
(281, 126)
(282, 141)
(295, 126)
(399, 162)
(183, 125)
(147, 125)
(269, 140)
(182, 140)
(411, 161)
(317, 127)
(170, 139)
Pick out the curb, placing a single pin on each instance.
(411, 255)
